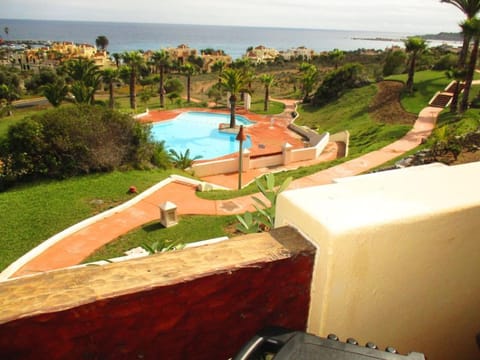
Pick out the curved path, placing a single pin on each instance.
(72, 249)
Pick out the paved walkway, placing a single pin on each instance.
(74, 248)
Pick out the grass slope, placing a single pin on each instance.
(32, 214)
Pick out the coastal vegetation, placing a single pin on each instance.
(341, 90)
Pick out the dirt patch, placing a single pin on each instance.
(386, 106)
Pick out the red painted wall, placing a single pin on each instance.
(207, 318)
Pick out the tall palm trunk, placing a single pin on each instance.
(233, 101)
(267, 96)
(462, 59)
(162, 90)
(456, 94)
(133, 95)
(411, 73)
(469, 75)
(110, 90)
(189, 81)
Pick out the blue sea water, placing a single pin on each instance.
(234, 40)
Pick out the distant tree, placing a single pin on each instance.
(233, 82)
(161, 59)
(43, 77)
(101, 42)
(336, 57)
(9, 94)
(110, 76)
(309, 77)
(173, 85)
(471, 27)
(267, 80)
(338, 81)
(134, 60)
(414, 46)
(85, 77)
(216, 92)
(55, 92)
(117, 57)
(394, 63)
(218, 67)
(188, 70)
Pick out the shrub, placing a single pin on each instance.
(76, 140)
(336, 82)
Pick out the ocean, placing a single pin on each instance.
(234, 40)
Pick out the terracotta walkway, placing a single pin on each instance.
(74, 248)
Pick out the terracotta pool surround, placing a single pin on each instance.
(199, 303)
(267, 135)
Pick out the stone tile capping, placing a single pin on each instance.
(69, 288)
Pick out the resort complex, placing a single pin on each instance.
(181, 203)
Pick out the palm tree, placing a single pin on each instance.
(134, 60)
(162, 62)
(457, 76)
(415, 46)
(55, 92)
(109, 76)
(471, 28)
(309, 78)
(267, 81)
(336, 56)
(234, 82)
(188, 70)
(470, 8)
(218, 67)
(85, 77)
(101, 42)
(117, 57)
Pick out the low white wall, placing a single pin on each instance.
(397, 260)
(303, 154)
(342, 136)
(266, 161)
(320, 145)
(215, 167)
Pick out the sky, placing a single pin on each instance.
(412, 16)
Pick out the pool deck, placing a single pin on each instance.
(72, 249)
(268, 134)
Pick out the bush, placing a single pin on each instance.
(76, 140)
(336, 82)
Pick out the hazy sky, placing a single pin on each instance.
(416, 16)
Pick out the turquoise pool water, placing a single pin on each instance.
(198, 131)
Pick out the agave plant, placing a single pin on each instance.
(264, 219)
(163, 246)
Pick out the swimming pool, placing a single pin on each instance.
(198, 131)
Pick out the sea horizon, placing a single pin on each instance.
(234, 40)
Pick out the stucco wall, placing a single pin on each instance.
(398, 258)
(199, 303)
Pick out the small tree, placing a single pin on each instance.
(101, 42)
(182, 160)
(267, 80)
(414, 46)
(55, 93)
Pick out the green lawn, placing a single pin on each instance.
(350, 112)
(189, 229)
(426, 84)
(31, 214)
